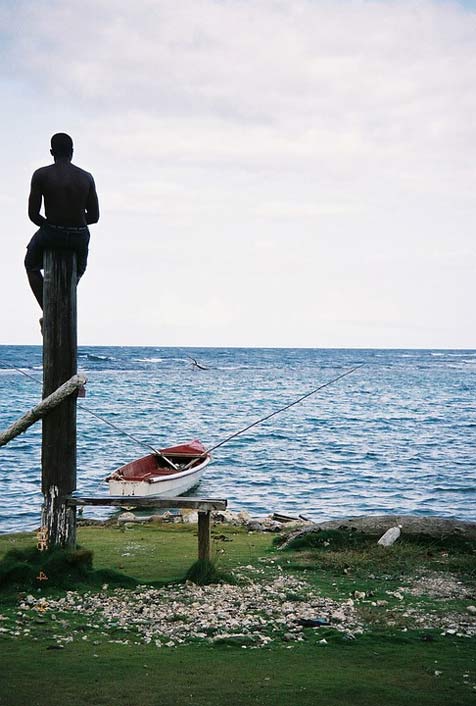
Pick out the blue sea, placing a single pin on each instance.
(396, 436)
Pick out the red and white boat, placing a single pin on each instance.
(153, 475)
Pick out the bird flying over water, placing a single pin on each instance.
(197, 364)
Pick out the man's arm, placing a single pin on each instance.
(34, 201)
(92, 205)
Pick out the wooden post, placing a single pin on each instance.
(58, 458)
(204, 535)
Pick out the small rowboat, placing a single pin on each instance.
(152, 475)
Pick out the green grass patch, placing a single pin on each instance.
(28, 569)
(350, 538)
(165, 553)
(204, 572)
(152, 554)
(377, 669)
(323, 539)
(356, 555)
(382, 666)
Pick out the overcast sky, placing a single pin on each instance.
(270, 173)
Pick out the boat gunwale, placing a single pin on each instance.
(181, 474)
(160, 478)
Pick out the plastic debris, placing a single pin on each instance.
(313, 622)
(390, 536)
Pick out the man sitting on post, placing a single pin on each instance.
(71, 204)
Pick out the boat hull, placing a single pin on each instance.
(166, 486)
(171, 473)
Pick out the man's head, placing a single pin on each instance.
(61, 145)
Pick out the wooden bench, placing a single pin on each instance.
(204, 507)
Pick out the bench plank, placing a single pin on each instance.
(200, 504)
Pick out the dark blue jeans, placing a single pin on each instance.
(58, 238)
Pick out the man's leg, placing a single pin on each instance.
(34, 264)
(35, 279)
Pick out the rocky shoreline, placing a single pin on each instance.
(373, 525)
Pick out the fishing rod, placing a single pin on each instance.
(273, 414)
(106, 421)
(221, 443)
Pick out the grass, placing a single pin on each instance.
(382, 666)
(343, 561)
(150, 553)
(204, 572)
(370, 671)
(146, 553)
(27, 569)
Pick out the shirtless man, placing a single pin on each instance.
(71, 204)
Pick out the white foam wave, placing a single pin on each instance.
(148, 360)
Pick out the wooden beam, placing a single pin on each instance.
(204, 536)
(42, 409)
(200, 504)
(58, 458)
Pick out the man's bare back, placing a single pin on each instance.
(69, 195)
(71, 204)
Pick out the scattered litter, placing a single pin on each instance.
(313, 622)
(390, 536)
(283, 518)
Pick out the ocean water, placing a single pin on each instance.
(396, 436)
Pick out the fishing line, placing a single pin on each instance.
(102, 419)
(224, 441)
(130, 436)
(277, 411)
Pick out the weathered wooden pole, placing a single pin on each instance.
(58, 458)
(204, 536)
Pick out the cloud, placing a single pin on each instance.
(360, 90)
(259, 82)
(342, 127)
